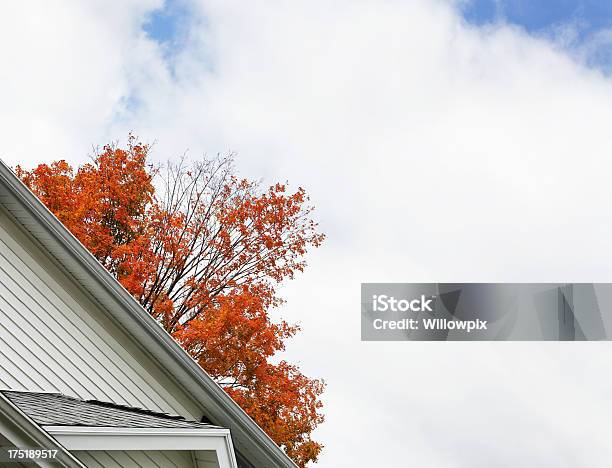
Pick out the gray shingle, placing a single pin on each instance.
(55, 409)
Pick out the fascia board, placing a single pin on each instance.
(129, 431)
(79, 263)
(114, 438)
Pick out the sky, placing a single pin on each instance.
(538, 15)
(581, 26)
(440, 141)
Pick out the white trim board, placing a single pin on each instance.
(112, 438)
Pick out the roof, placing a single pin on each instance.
(71, 256)
(21, 431)
(55, 409)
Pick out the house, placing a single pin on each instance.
(87, 377)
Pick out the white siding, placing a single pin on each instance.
(135, 459)
(54, 338)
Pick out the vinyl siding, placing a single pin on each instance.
(135, 459)
(53, 337)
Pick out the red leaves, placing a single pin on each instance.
(203, 255)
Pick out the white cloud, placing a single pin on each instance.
(66, 71)
(434, 151)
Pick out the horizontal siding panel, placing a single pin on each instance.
(60, 333)
(135, 459)
(49, 341)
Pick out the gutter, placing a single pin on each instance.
(223, 411)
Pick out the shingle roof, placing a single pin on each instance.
(55, 409)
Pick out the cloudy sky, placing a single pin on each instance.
(457, 140)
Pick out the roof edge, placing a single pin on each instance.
(56, 429)
(139, 323)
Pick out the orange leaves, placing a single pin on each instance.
(234, 328)
(203, 254)
(286, 405)
(103, 203)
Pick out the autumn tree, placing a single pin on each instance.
(203, 251)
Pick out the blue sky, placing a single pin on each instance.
(167, 25)
(538, 15)
(587, 18)
(164, 24)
